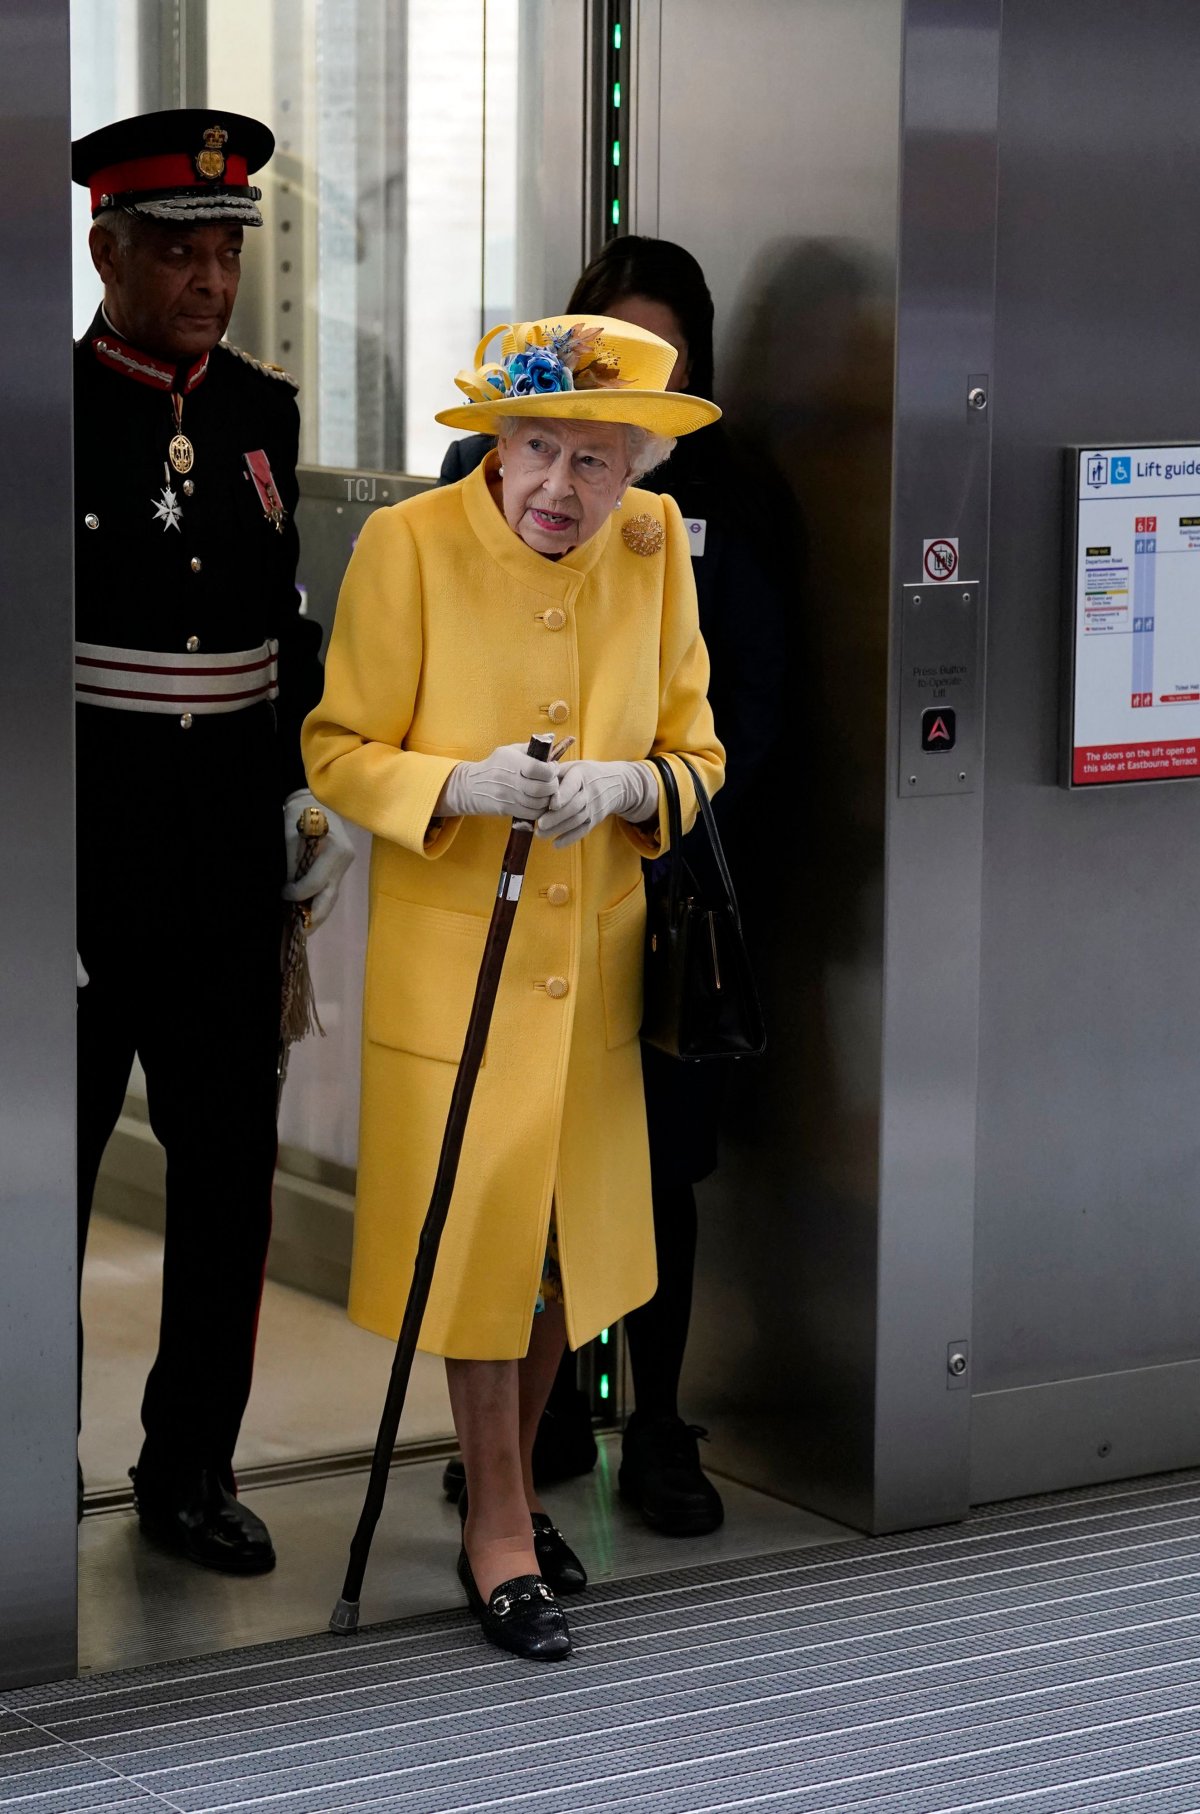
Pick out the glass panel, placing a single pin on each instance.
(392, 203)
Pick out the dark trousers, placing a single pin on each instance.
(184, 973)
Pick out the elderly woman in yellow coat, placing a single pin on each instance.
(543, 592)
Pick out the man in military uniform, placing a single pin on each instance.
(193, 670)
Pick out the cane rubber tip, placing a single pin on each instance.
(344, 1618)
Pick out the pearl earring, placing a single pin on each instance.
(617, 505)
(501, 471)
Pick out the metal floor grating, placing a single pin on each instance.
(1040, 1659)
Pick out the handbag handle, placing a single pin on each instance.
(675, 827)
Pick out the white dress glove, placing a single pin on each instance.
(591, 791)
(508, 784)
(320, 886)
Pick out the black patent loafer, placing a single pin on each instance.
(560, 1566)
(562, 1571)
(195, 1516)
(522, 1616)
(660, 1473)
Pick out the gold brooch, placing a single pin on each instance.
(643, 533)
(210, 163)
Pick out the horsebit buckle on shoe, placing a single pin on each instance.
(503, 1604)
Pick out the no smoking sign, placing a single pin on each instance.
(941, 559)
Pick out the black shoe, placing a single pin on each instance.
(565, 1445)
(522, 1616)
(660, 1473)
(561, 1568)
(454, 1478)
(194, 1515)
(558, 1562)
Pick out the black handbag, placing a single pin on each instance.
(700, 998)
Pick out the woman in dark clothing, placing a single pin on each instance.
(659, 286)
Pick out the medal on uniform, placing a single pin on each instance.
(167, 509)
(259, 468)
(181, 452)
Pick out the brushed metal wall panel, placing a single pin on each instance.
(1088, 1241)
(835, 1262)
(931, 985)
(1081, 1432)
(37, 975)
(775, 161)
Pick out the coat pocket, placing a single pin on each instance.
(622, 959)
(422, 967)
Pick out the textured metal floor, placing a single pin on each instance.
(1044, 1657)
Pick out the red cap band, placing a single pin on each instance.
(174, 171)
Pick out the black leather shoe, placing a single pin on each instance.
(562, 1571)
(559, 1564)
(522, 1616)
(565, 1444)
(194, 1515)
(660, 1473)
(454, 1478)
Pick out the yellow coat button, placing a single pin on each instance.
(195, 563)
(555, 619)
(557, 987)
(193, 643)
(559, 712)
(185, 723)
(558, 894)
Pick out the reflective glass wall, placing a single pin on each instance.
(392, 205)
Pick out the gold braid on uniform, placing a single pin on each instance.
(262, 365)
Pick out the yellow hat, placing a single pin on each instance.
(587, 368)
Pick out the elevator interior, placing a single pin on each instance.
(949, 1255)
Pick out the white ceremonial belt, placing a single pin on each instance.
(147, 680)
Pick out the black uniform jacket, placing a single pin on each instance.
(213, 571)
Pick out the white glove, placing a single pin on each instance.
(81, 975)
(591, 791)
(320, 886)
(508, 784)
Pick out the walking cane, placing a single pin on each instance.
(344, 1619)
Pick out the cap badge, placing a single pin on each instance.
(210, 163)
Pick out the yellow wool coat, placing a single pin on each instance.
(452, 637)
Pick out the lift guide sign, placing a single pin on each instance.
(1135, 616)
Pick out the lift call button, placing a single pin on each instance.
(938, 728)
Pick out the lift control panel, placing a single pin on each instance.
(1131, 709)
(939, 681)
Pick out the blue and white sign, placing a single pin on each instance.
(1136, 703)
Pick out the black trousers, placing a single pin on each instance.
(179, 930)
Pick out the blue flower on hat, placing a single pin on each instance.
(538, 373)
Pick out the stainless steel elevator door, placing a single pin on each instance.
(768, 145)
(1087, 1304)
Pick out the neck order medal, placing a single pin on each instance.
(181, 453)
